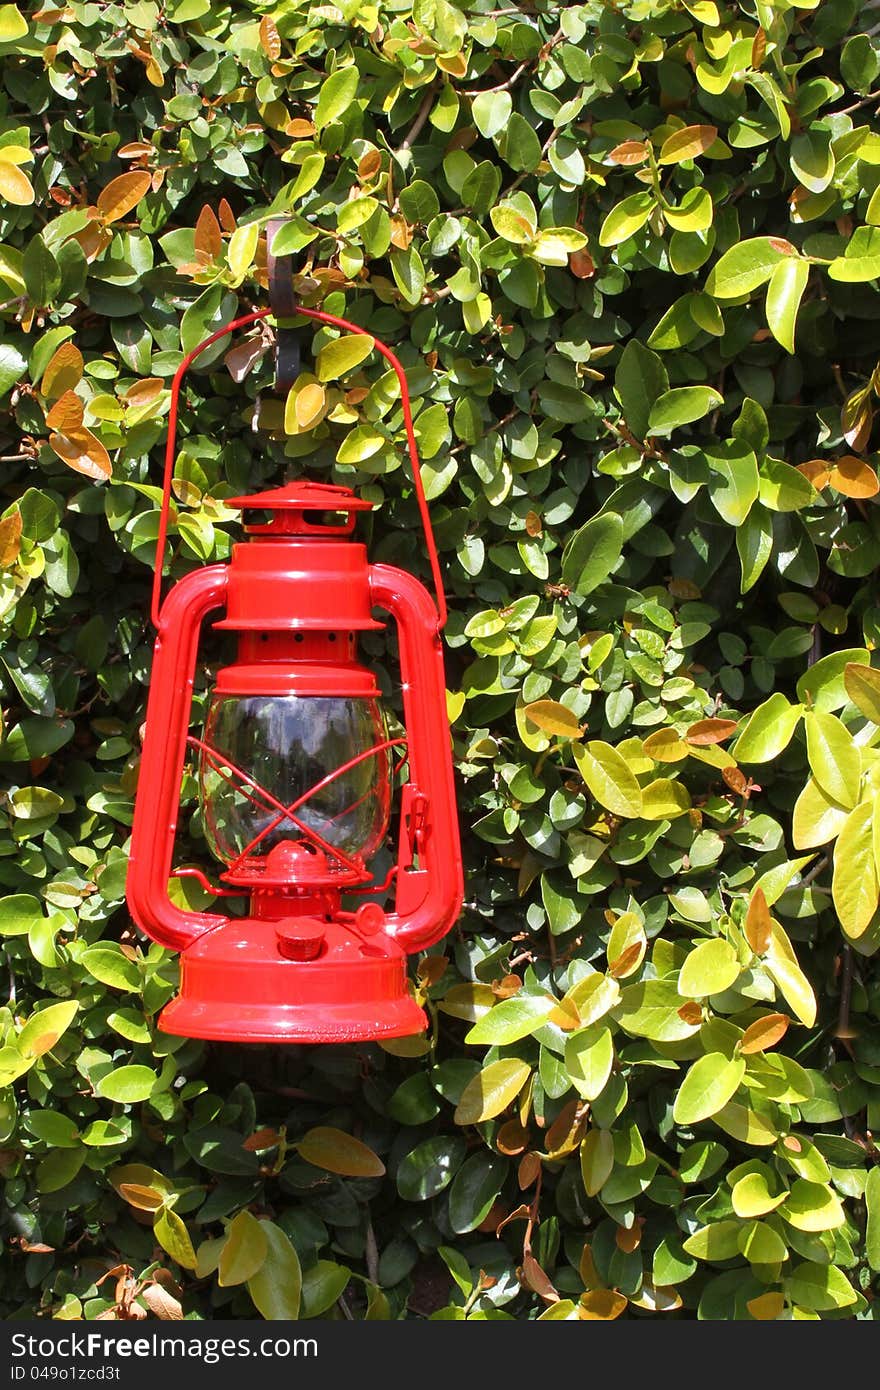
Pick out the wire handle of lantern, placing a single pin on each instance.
(332, 320)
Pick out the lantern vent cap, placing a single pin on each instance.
(303, 508)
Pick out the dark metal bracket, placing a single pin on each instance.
(282, 298)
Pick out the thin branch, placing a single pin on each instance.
(415, 129)
(501, 86)
(857, 105)
(844, 1027)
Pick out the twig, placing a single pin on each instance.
(857, 105)
(501, 86)
(844, 1028)
(816, 870)
(415, 129)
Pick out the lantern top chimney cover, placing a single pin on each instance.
(304, 508)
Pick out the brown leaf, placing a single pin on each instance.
(565, 1132)
(736, 780)
(629, 1238)
(227, 216)
(511, 1138)
(759, 48)
(136, 149)
(265, 1138)
(759, 927)
(857, 418)
(691, 1012)
(432, 969)
(619, 968)
(83, 452)
(506, 988)
(66, 414)
(582, 265)
(534, 524)
(10, 539)
(764, 1033)
(854, 477)
(63, 373)
(93, 240)
(602, 1305)
(784, 247)
(534, 1278)
(528, 1170)
(270, 39)
(766, 1307)
(708, 731)
(144, 1198)
(15, 186)
(300, 129)
(684, 589)
(161, 1303)
(629, 152)
(369, 165)
(208, 238)
(240, 359)
(122, 194)
(144, 391)
(818, 471)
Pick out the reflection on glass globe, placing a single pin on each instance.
(286, 744)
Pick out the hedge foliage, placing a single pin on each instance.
(629, 255)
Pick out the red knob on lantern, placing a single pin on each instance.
(296, 774)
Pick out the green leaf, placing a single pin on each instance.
(768, 730)
(784, 293)
(244, 1250)
(862, 685)
(710, 1083)
(822, 687)
(337, 93)
(474, 1190)
(754, 544)
(127, 1085)
(171, 1233)
(44, 1028)
(340, 357)
(734, 484)
(597, 1160)
(429, 1167)
(19, 914)
(872, 1205)
(834, 758)
(589, 1057)
(651, 1010)
(638, 381)
(35, 738)
(820, 1287)
(491, 1091)
(816, 819)
(855, 887)
(276, 1288)
(746, 266)
(511, 1020)
(107, 963)
(761, 1244)
(717, 1241)
(626, 218)
(322, 1285)
(812, 1206)
(592, 553)
(13, 25)
(710, 968)
(491, 112)
(608, 777)
(338, 1152)
(682, 406)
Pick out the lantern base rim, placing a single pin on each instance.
(291, 1023)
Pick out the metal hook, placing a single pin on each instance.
(283, 301)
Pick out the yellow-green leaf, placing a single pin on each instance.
(751, 1195)
(553, 718)
(597, 1160)
(854, 885)
(338, 1152)
(340, 357)
(862, 685)
(15, 186)
(745, 1124)
(171, 1233)
(43, 1029)
(13, 25)
(276, 1288)
(589, 1057)
(790, 980)
(812, 1206)
(708, 1086)
(711, 967)
(688, 143)
(242, 249)
(244, 1250)
(784, 293)
(664, 799)
(491, 1091)
(609, 778)
(834, 758)
(816, 819)
(768, 730)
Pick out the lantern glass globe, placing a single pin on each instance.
(285, 745)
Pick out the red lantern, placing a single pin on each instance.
(296, 770)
